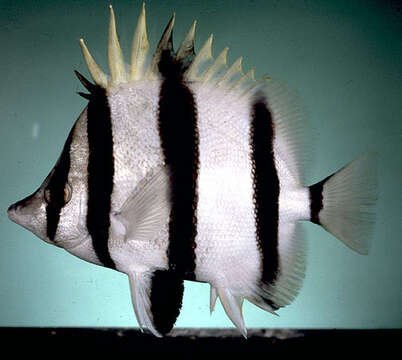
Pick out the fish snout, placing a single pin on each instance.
(15, 210)
(12, 212)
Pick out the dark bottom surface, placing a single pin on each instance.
(116, 341)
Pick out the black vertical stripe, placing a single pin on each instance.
(179, 140)
(100, 174)
(166, 299)
(266, 188)
(55, 189)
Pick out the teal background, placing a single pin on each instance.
(343, 57)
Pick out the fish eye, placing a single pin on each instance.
(47, 196)
(68, 191)
(53, 196)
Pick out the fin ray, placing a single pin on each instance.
(97, 74)
(349, 198)
(145, 213)
(232, 72)
(140, 47)
(292, 250)
(205, 54)
(140, 285)
(165, 43)
(194, 65)
(212, 299)
(294, 137)
(186, 49)
(115, 55)
(233, 307)
(217, 66)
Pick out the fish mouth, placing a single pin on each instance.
(15, 211)
(16, 214)
(12, 213)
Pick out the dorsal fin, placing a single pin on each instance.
(201, 67)
(186, 52)
(165, 44)
(115, 56)
(140, 47)
(217, 66)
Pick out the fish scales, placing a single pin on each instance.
(184, 168)
(225, 187)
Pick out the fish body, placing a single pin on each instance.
(183, 168)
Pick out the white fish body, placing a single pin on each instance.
(180, 168)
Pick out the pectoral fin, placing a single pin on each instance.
(145, 213)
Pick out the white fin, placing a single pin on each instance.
(217, 66)
(293, 137)
(245, 79)
(233, 307)
(145, 213)
(115, 56)
(140, 47)
(232, 72)
(255, 85)
(186, 48)
(349, 198)
(165, 43)
(259, 301)
(212, 299)
(198, 65)
(140, 285)
(204, 55)
(292, 265)
(97, 74)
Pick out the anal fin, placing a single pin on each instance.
(166, 299)
(140, 296)
(232, 305)
(157, 299)
(212, 299)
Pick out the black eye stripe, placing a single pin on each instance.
(55, 188)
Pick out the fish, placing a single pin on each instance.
(184, 168)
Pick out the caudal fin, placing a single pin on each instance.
(343, 203)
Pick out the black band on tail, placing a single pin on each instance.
(316, 200)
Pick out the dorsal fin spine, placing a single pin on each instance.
(219, 63)
(97, 74)
(140, 47)
(115, 55)
(186, 48)
(165, 43)
(204, 55)
(231, 72)
(195, 66)
(244, 78)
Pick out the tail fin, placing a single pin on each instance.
(343, 203)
